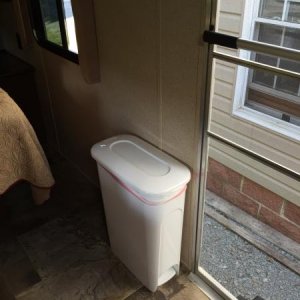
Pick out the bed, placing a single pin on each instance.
(21, 155)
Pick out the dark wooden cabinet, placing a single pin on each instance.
(17, 78)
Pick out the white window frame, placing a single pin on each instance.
(239, 110)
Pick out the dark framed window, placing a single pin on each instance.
(54, 28)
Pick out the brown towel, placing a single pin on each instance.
(21, 155)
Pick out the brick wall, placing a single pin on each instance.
(256, 200)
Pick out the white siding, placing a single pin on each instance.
(264, 141)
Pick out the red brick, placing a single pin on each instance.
(292, 212)
(224, 173)
(262, 195)
(238, 199)
(214, 184)
(287, 228)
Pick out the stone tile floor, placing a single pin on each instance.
(60, 250)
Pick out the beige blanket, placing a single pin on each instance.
(21, 155)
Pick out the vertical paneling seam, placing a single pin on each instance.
(194, 185)
(50, 99)
(159, 72)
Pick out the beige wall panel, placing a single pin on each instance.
(8, 30)
(179, 81)
(84, 19)
(126, 99)
(76, 110)
(180, 37)
(22, 22)
(128, 44)
(150, 85)
(44, 97)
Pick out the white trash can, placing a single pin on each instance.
(143, 191)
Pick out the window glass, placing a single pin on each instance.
(293, 12)
(292, 38)
(51, 21)
(271, 9)
(70, 26)
(261, 77)
(290, 85)
(270, 34)
(278, 96)
(286, 84)
(54, 27)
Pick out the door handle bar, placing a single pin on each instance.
(255, 64)
(232, 42)
(215, 38)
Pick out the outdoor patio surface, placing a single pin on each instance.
(244, 269)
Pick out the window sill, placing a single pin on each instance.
(59, 51)
(285, 129)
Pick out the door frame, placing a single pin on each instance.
(209, 23)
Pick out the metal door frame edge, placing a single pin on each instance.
(209, 24)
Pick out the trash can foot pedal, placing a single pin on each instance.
(166, 276)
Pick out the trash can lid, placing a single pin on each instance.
(146, 169)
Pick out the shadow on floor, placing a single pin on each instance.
(59, 250)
